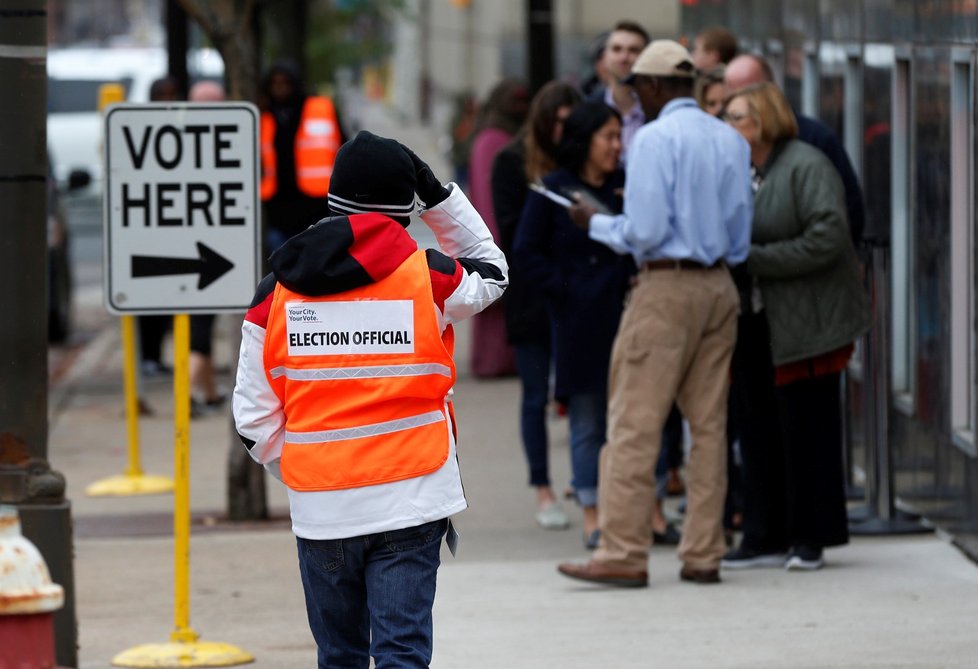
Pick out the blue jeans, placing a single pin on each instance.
(372, 595)
(533, 365)
(587, 415)
(671, 453)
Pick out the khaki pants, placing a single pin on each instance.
(674, 343)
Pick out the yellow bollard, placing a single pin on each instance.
(133, 481)
(184, 649)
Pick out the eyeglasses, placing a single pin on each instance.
(734, 117)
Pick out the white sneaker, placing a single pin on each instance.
(805, 558)
(552, 517)
(746, 558)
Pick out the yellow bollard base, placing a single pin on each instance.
(126, 485)
(179, 654)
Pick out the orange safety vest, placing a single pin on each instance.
(316, 142)
(363, 376)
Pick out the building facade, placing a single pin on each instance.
(447, 48)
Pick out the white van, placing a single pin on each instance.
(74, 77)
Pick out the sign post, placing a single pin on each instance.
(181, 236)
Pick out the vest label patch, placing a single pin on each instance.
(350, 328)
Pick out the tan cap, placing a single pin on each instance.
(663, 58)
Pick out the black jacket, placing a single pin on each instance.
(524, 304)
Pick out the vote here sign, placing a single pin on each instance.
(181, 207)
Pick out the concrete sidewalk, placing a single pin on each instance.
(888, 602)
(894, 602)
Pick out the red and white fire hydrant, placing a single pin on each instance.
(28, 600)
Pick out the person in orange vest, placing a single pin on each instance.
(344, 393)
(300, 135)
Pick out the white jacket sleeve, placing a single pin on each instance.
(464, 236)
(258, 413)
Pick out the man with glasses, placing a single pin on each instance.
(750, 69)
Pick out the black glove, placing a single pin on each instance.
(429, 189)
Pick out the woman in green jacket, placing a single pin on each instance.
(803, 307)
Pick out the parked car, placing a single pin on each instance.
(75, 135)
(74, 121)
(59, 260)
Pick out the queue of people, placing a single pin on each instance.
(584, 284)
(673, 271)
(677, 246)
(526, 159)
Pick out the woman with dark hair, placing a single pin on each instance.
(532, 152)
(584, 283)
(710, 90)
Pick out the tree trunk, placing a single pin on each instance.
(246, 478)
(230, 26)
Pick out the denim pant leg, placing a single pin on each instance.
(672, 442)
(533, 365)
(587, 414)
(401, 572)
(336, 599)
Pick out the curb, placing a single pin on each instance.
(89, 359)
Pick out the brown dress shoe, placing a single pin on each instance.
(703, 576)
(597, 572)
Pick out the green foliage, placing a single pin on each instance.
(348, 34)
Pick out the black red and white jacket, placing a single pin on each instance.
(468, 273)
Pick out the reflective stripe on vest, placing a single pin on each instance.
(363, 377)
(317, 140)
(365, 430)
(361, 372)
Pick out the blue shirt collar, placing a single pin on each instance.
(677, 103)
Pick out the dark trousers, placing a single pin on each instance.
(533, 365)
(671, 452)
(763, 470)
(791, 450)
(811, 427)
(734, 503)
(152, 330)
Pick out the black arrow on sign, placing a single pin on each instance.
(210, 265)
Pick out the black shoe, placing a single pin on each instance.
(805, 558)
(200, 409)
(671, 536)
(216, 403)
(748, 558)
(591, 540)
(154, 369)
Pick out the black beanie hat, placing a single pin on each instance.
(373, 174)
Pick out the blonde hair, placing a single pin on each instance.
(768, 106)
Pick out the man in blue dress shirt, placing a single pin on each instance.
(687, 218)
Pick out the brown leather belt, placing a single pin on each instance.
(669, 263)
